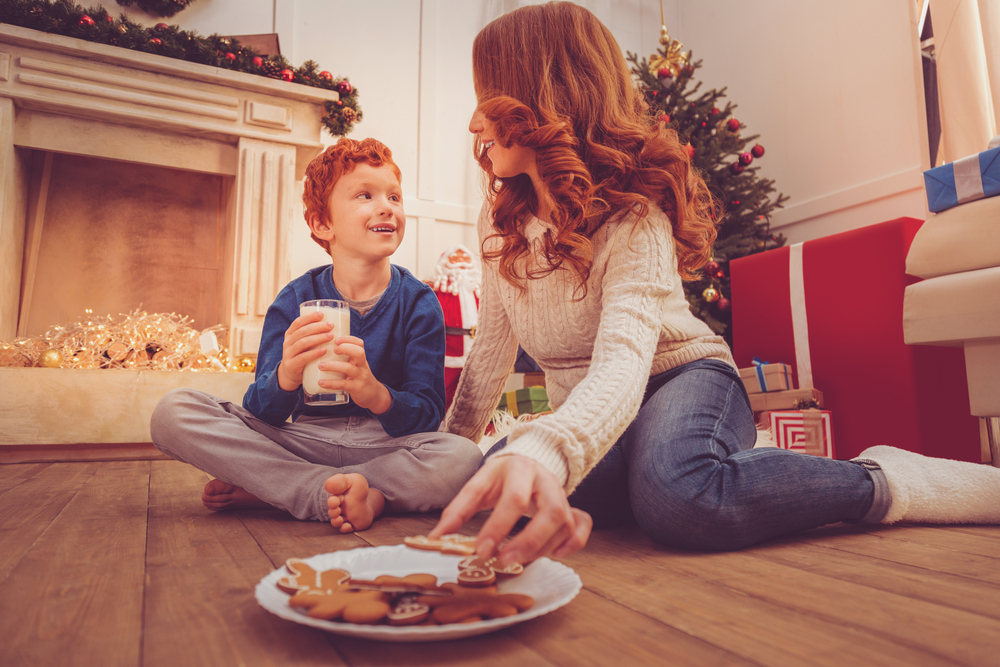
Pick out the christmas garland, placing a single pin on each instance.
(157, 7)
(63, 17)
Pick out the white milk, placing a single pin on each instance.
(341, 319)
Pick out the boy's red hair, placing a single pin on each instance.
(552, 78)
(336, 161)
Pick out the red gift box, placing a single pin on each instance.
(806, 431)
(848, 319)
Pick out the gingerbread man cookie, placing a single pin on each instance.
(326, 595)
(467, 605)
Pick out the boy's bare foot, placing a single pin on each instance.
(353, 506)
(219, 496)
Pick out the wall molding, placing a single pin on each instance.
(894, 184)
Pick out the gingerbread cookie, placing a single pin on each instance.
(454, 544)
(477, 571)
(467, 605)
(326, 595)
(408, 610)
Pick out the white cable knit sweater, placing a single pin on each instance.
(597, 353)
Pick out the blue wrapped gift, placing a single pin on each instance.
(964, 180)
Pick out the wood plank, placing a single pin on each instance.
(953, 553)
(592, 630)
(920, 583)
(495, 648)
(281, 536)
(12, 475)
(698, 594)
(85, 576)
(26, 510)
(201, 569)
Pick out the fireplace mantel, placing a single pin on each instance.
(63, 95)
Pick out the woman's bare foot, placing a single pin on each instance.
(353, 506)
(219, 496)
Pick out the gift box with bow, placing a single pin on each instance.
(764, 376)
(964, 180)
(832, 308)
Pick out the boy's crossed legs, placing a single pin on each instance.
(345, 470)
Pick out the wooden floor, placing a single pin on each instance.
(117, 563)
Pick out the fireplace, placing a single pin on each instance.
(131, 180)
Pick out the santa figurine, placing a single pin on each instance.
(456, 283)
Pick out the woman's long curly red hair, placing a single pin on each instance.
(552, 78)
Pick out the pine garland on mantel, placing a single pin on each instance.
(95, 24)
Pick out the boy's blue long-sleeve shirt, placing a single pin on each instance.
(404, 345)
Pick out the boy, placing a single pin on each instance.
(343, 463)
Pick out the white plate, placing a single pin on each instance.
(552, 585)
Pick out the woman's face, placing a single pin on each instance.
(507, 162)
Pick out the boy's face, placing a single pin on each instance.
(366, 215)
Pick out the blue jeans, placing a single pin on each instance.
(685, 470)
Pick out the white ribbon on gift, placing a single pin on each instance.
(800, 324)
(968, 177)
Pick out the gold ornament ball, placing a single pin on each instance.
(710, 294)
(247, 365)
(50, 359)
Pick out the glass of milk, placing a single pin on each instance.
(339, 313)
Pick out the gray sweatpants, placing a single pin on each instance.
(287, 465)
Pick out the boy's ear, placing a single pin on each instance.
(320, 225)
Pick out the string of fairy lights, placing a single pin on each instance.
(136, 340)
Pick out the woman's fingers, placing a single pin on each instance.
(579, 536)
(473, 498)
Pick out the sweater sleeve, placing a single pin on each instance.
(639, 274)
(265, 398)
(490, 360)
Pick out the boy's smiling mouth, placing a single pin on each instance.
(382, 229)
(488, 145)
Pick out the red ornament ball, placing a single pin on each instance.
(715, 110)
(85, 20)
(690, 151)
(664, 73)
(230, 56)
(758, 151)
(160, 26)
(711, 267)
(722, 304)
(736, 168)
(746, 159)
(107, 17)
(325, 75)
(344, 87)
(733, 125)
(664, 118)
(156, 41)
(687, 70)
(287, 75)
(257, 61)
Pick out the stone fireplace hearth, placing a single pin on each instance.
(129, 127)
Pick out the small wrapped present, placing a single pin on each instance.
(527, 401)
(964, 180)
(793, 399)
(764, 376)
(806, 431)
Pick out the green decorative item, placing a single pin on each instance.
(158, 7)
(95, 24)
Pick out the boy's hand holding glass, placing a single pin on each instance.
(365, 390)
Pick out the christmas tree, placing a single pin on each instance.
(719, 152)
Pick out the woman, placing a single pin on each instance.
(593, 218)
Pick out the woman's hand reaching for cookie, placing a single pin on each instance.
(515, 486)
